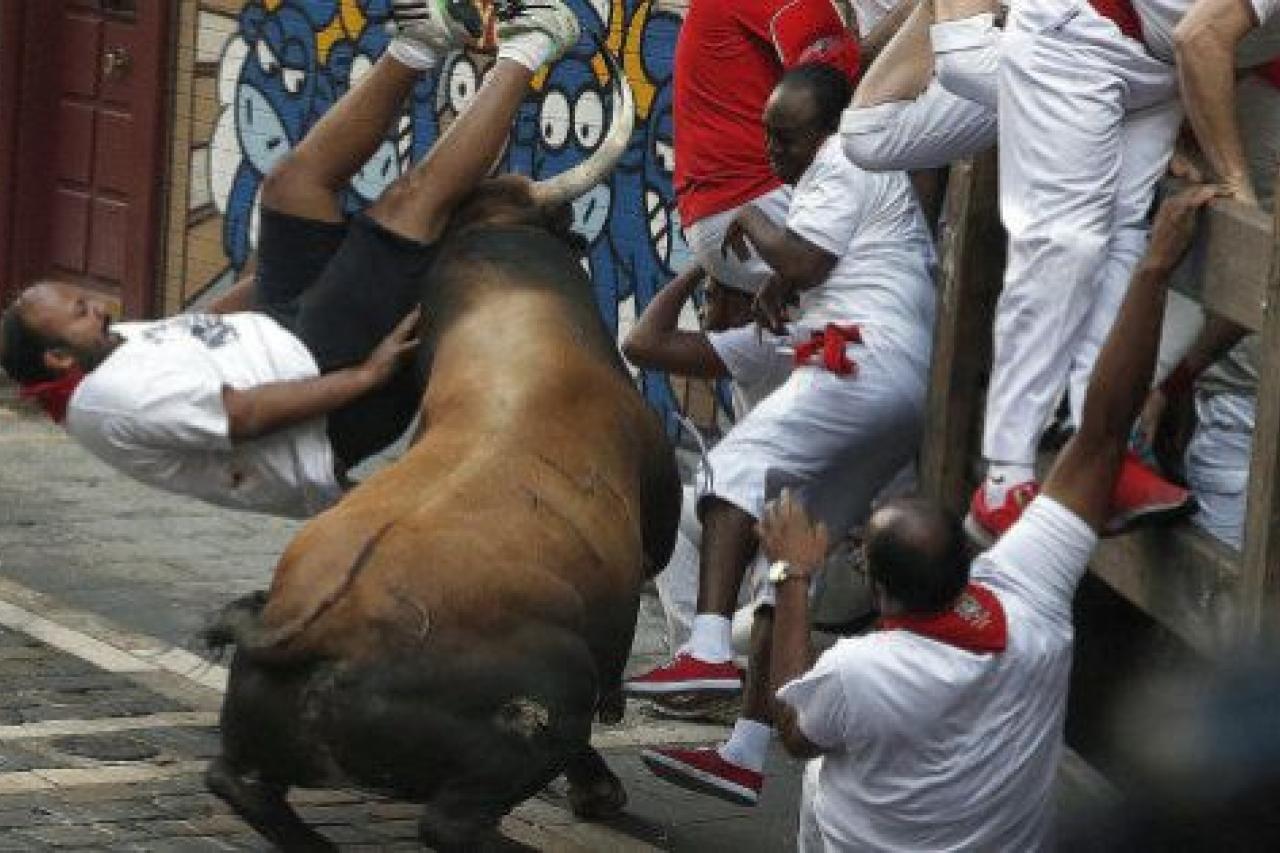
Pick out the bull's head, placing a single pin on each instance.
(511, 199)
(567, 186)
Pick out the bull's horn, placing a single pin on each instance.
(569, 185)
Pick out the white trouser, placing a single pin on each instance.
(1087, 123)
(706, 239)
(1218, 463)
(862, 428)
(939, 125)
(809, 837)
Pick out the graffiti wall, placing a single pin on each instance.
(266, 70)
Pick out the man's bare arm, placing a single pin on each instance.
(787, 533)
(264, 409)
(1205, 42)
(1084, 474)
(656, 342)
(885, 29)
(800, 263)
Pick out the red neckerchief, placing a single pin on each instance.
(1123, 15)
(974, 623)
(53, 395)
(830, 342)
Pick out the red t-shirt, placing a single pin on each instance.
(729, 56)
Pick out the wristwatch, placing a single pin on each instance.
(781, 571)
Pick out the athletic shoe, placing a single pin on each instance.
(535, 32)
(686, 674)
(985, 523)
(705, 771)
(436, 25)
(1142, 495)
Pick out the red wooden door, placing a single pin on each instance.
(89, 157)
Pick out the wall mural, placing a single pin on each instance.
(285, 62)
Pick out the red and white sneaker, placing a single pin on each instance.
(705, 771)
(1142, 495)
(686, 674)
(985, 523)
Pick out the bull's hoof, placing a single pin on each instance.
(600, 799)
(611, 707)
(264, 808)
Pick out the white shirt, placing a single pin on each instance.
(871, 222)
(756, 363)
(1160, 17)
(154, 411)
(930, 747)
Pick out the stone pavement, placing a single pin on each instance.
(106, 717)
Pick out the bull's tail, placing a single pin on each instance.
(239, 624)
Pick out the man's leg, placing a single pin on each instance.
(902, 117)
(1059, 124)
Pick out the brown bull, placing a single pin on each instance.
(448, 632)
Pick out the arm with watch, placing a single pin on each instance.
(796, 547)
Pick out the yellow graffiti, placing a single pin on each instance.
(644, 89)
(346, 25)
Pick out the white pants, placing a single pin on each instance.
(809, 836)
(862, 428)
(940, 125)
(1087, 122)
(1218, 463)
(706, 239)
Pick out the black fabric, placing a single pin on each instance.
(292, 252)
(342, 289)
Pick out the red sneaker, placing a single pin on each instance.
(985, 524)
(686, 674)
(703, 770)
(1142, 495)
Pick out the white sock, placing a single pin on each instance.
(748, 745)
(1003, 476)
(414, 54)
(529, 49)
(710, 639)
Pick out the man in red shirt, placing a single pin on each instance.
(730, 55)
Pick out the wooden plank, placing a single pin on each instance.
(1261, 573)
(972, 260)
(1230, 273)
(1180, 576)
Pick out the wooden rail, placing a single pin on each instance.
(1208, 594)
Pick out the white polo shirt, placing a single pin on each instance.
(883, 278)
(930, 747)
(154, 411)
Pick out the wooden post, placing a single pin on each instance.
(972, 271)
(1260, 576)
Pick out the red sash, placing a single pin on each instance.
(1122, 14)
(830, 343)
(974, 623)
(54, 395)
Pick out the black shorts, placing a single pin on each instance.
(341, 288)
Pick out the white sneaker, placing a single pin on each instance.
(437, 26)
(535, 32)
